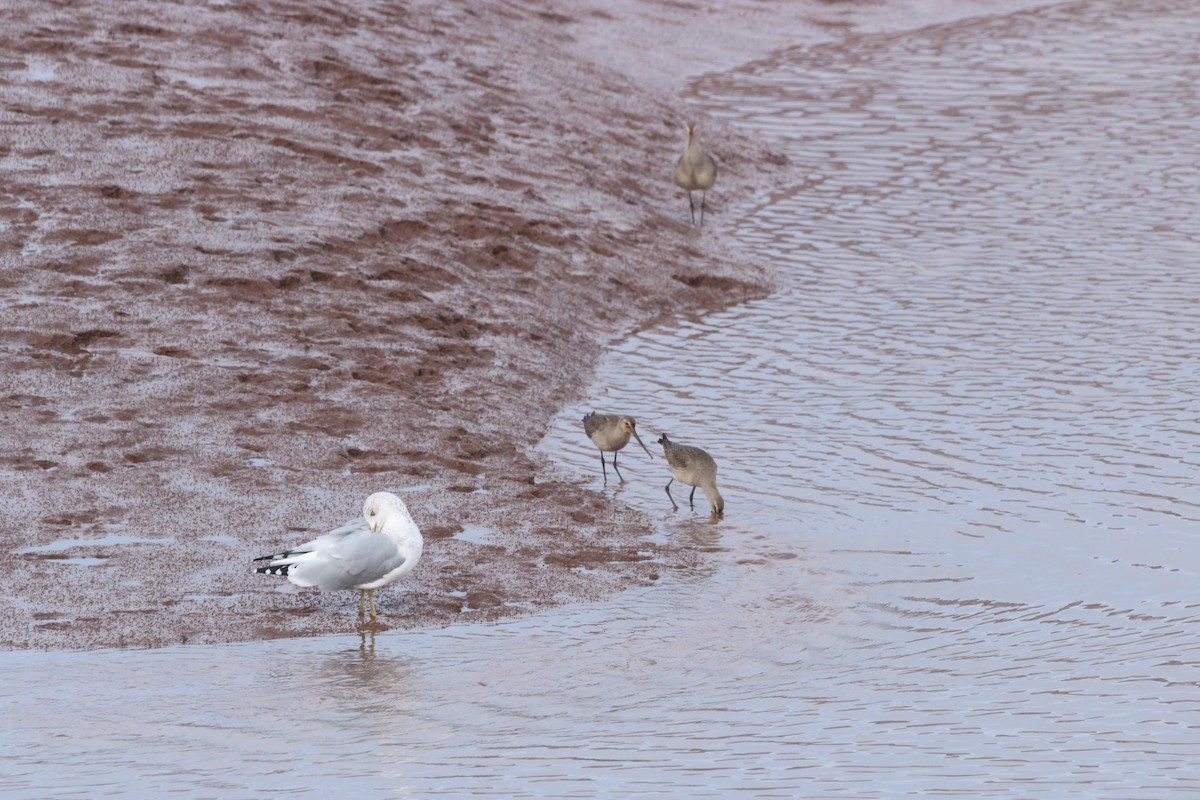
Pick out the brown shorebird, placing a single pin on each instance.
(695, 171)
(381, 547)
(694, 467)
(611, 432)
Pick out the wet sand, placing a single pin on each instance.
(264, 259)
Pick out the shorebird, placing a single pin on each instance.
(695, 171)
(611, 432)
(364, 554)
(694, 467)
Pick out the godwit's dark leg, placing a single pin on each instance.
(692, 206)
(619, 475)
(672, 499)
(703, 197)
(603, 468)
(692, 498)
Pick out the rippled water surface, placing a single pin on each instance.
(959, 450)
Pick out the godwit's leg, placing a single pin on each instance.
(692, 498)
(703, 197)
(672, 499)
(603, 468)
(692, 206)
(619, 475)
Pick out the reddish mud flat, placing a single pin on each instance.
(262, 260)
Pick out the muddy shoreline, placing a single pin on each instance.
(261, 260)
(310, 254)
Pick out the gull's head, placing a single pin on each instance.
(380, 507)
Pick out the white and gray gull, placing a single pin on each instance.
(379, 548)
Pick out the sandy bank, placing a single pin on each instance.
(262, 259)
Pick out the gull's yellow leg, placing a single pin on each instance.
(371, 594)
(361, 595)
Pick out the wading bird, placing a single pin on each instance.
(694, 467)
(695, 171)
(611, 432)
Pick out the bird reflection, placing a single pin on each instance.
(366, 644)
(362, 681)
(701, 534)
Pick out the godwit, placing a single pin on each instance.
(694, 467)
(695, 171)
(611, 432)
(363, 554)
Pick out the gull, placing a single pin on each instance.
(364, 554)
(695, 171)
(694, 467)
(611, 432)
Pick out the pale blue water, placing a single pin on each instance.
(959, 453)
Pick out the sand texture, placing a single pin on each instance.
(262, 259)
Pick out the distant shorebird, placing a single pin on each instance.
(611, 432)
(695, 171)
(364, 554)
(694, 467)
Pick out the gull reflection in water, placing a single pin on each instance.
(360, 683)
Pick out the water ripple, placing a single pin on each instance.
(971, 411)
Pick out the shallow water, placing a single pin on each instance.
(958, 450)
